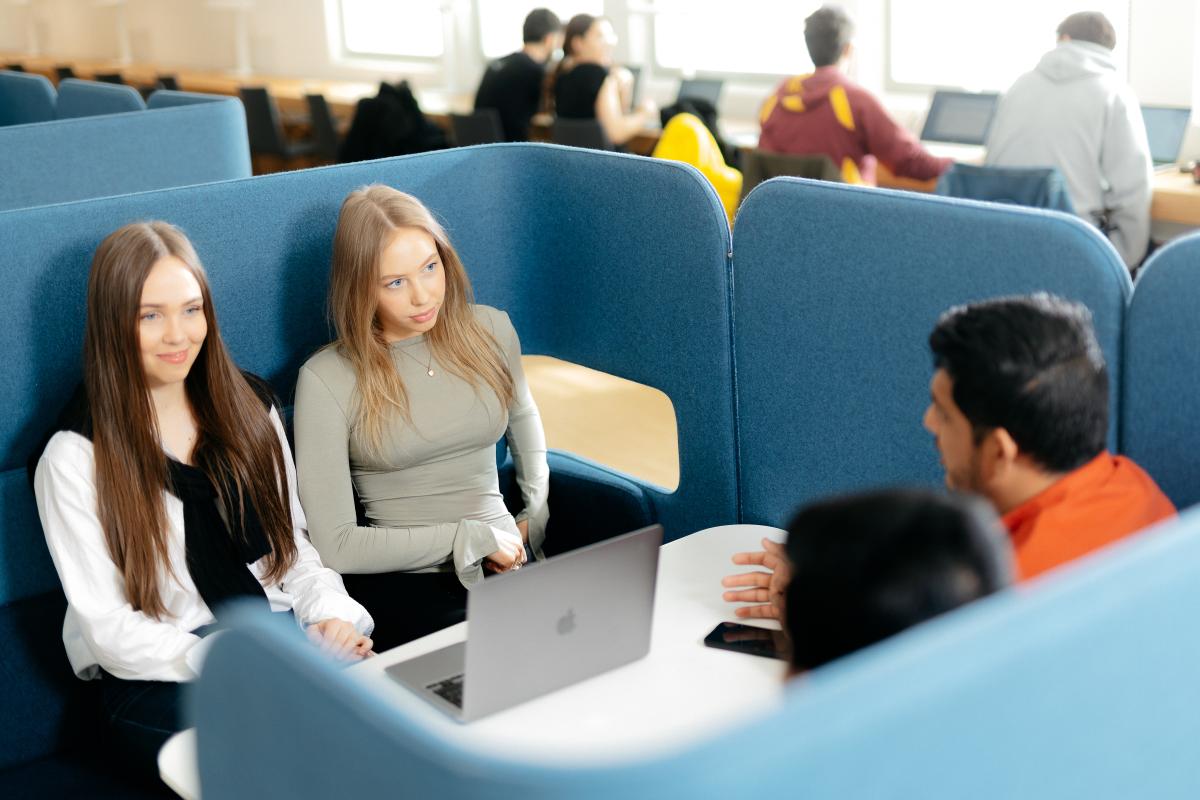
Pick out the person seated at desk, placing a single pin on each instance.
(859, 569)
(585, 85)
(827, 113)
(402, 411)
(513, 85)
(167, 490)
(1019, 414)
(1073, 112)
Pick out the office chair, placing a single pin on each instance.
(324, 127)
(580, 133)
(109, 77)
(760, 165)
(1036, 187)
(15, 67)
(264, 128)
(480, 127)
(169, 82)
(64, 72)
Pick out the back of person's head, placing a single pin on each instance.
(1032, 366)
(540, 23)
(577, 27)
(867, 566)
(827, 31)
(1089, 26)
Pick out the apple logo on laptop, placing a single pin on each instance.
(566, 623)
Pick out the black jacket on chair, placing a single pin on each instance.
(390, 124)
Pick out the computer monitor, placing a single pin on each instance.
(960, 117)
(1165, 128)
(701, 89)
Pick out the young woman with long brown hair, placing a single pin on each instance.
(167, 490)
(403, 410)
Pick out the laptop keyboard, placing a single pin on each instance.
(450, 690)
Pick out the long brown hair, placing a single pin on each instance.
(368, 217)
(237, 446)
(576, 28)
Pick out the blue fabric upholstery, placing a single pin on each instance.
(74, 159)
(1080, 685)
(836, 290)
(1038, 187)
(78, 98)
(169, 98)
(1160, 405)
(25, 98)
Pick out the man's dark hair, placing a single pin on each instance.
(1089, 26)
(827, 31)
(540, 23)
(867, 566)
(1032, 366)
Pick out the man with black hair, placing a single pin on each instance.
(1075, 113)
(513, 84)
(826, 113)
(1019, 411)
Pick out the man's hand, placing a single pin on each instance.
(340, 639)
(765, 589)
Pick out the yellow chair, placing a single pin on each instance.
(686, 139)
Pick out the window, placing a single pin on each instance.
(951, 43)
(500, 21)
(751, 36)
(392, 28)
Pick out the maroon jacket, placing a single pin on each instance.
(826, 112)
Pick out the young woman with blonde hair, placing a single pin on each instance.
(403, 411)
(167, 490)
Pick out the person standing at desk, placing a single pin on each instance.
(1074, 112)
(827, 113)
(585, 85)
(513, 84)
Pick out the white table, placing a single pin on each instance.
(678, 694)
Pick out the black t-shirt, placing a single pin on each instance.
(575, 91)
(512, 86)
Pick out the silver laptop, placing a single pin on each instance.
(546, 626)
(1165, 129)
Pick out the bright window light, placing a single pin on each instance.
(950, 43)
(500, 21)
(751, 36)
(392, 28)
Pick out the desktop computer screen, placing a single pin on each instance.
(1165, 128)
(960, 117)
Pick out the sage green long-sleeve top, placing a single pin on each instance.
(432, 499)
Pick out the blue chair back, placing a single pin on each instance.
(1037, 187)
(78, 98)
(1079, 685)
(1160, 423)
(836, 289)
(25, 97)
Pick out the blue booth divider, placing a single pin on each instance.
(114, 154)
(78, 98)
(1160, 403)
(836, 289)
(25, 98)
(1081, 684)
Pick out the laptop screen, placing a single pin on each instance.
(959, 117)
(701, 89)
(1165, 128)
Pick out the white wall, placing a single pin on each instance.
(289, 38)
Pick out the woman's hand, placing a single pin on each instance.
(523, 527)
(511, 554)
(340, 639)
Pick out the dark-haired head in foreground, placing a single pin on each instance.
(1019, 412)
(865, 567)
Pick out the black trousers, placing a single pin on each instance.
(137, 718)
(408, 605)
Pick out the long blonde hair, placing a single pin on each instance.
(465, 348)
(238, 447)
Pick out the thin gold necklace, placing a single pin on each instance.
(428, 366)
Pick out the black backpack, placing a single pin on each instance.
(390, 124)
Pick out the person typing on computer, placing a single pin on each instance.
(1075, 113)
(513, 84)
(1019, 413)
(826, 113)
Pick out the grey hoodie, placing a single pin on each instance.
(1074, 113)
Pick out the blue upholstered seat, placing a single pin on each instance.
(25, 98)
(1160, 404)
(78, 98)
(1037, 187)
(836, 290)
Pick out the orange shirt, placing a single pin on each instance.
(1105, 500)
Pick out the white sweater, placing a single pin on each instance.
(1074, 113)
(101, 628)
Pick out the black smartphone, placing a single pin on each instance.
(749, 640)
